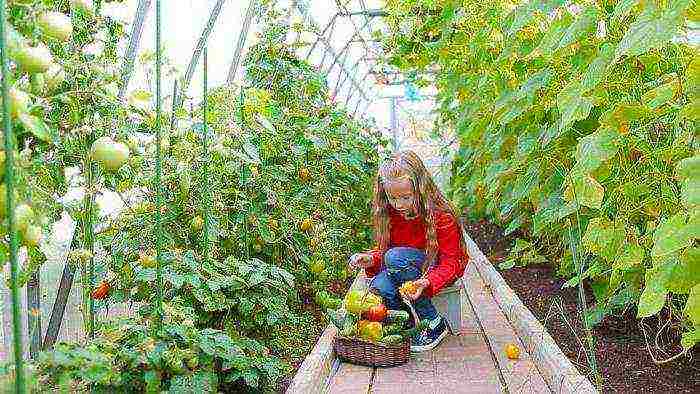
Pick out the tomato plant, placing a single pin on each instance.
(287, 184)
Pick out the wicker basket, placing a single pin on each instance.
(359, 351)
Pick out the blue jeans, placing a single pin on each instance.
(402, 264)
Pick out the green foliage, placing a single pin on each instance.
(577, 123)
(247, 241)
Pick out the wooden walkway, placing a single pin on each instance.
(472, 362)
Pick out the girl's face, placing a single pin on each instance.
(402, 196)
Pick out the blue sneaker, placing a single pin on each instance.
(430, 338)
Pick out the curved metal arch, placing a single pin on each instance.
(343, 51)
(201, 43)
(134, 41)
(242, 37)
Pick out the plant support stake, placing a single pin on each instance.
(159, 187)
(10, 204)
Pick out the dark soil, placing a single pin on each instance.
(621, 351)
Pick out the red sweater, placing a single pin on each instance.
(451, 259)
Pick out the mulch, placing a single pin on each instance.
(620, 348)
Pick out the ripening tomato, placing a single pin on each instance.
(304, 174)
(101, 291)
(55, 25)
(375, 313)
(32, 236)
(306, 224)
(512, 351)
(408, 288)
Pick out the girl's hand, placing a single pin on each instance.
(420, 284)
(361, 260)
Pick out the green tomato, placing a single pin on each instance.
(55, 76)
(197, 224)
(23, 217)
(38, 84)
(85, 6)
(55, 25)
(32, 236)
(19, 102)
(317, 267)
(193, 362)
(110, 154)
(34, 60)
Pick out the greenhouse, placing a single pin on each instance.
(350, 196)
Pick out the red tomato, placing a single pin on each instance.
(101, 291)
(376, 313)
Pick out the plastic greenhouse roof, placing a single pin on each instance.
(344, 49)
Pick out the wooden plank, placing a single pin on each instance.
(350, 379)
(536, 344)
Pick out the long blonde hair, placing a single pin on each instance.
(429, 200)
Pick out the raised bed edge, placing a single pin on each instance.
(558, 371)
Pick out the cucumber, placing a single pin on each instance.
(349, 329)
(393, 328)
(397, 316)
(415, 330)
(337, 318)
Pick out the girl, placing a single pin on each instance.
(419, 239)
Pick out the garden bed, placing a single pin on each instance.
(621, 351)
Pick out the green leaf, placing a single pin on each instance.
(551, 39)
(623, 113)
(690, 338)
(252, 152)
(690, 193)
(592, 150)
(670, 237)
(653, 297)
(692, 79)
(686, 273)
(692, 306)
(583, 25)
(688, 168)
(585, 190)
(598, 67)
(604, 238)
(37, 127)
(653, 28)
(152, 380)
(265, 123)
(622, 9)
(572, 105)
(661, 95)
(632, 256)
